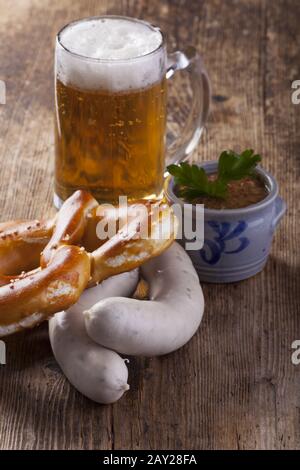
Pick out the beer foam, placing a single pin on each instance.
(110, 53)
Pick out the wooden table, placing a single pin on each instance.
(234, 385)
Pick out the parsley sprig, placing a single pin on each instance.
(193, 182)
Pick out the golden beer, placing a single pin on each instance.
(110, 143)
(110, 91)
(110, 109)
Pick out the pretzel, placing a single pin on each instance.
(54, 278)
(20, 235)
(21, 242)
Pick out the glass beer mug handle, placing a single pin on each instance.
(190, 61)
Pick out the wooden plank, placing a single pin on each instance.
(233, 386)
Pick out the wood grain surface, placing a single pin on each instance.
(234, 385)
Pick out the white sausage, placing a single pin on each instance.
(157, 326)
(98, 373)
(121, 285)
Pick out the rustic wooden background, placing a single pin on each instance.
(233, 386)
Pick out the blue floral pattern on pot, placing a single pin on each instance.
(225, 231)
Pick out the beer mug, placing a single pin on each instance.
(111, 76)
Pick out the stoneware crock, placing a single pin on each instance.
(237, 242)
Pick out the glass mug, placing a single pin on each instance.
(110, 135)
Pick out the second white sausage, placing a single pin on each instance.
(157, 326)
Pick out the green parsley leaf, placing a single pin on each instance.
(193, 182)
(233, 166)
